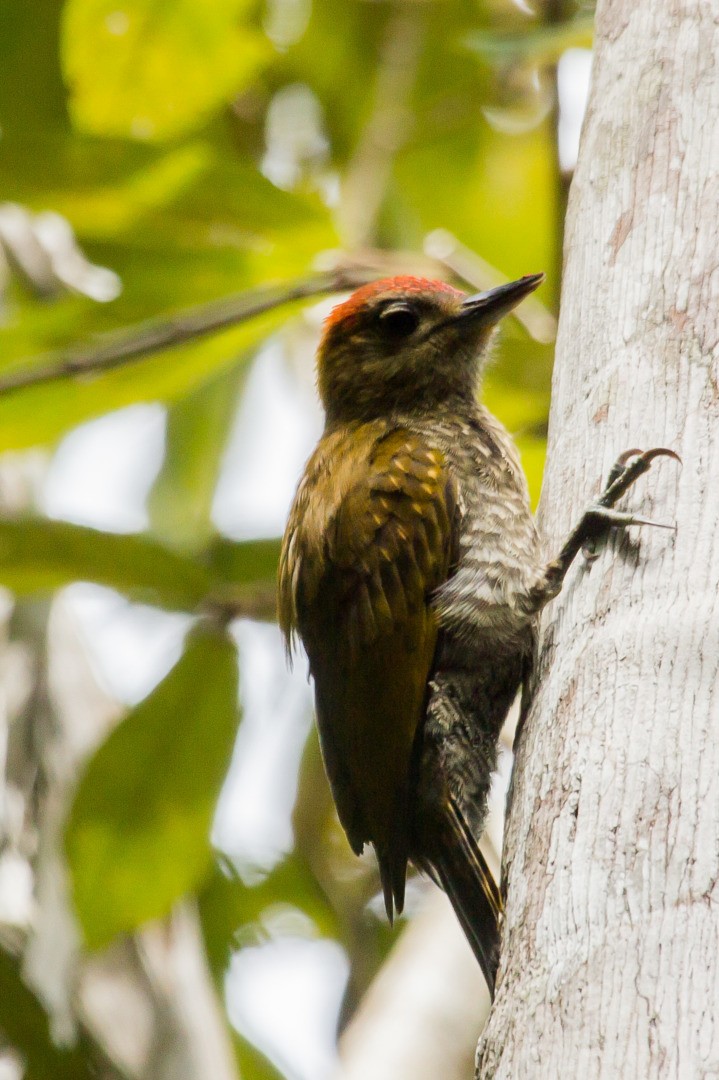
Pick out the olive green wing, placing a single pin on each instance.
(358, 582)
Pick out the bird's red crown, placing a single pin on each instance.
(346, 312)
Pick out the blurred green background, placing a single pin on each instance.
(197, 151)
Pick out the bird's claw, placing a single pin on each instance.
(628, 467)
(624, 472)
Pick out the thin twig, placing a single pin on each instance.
(116, 349)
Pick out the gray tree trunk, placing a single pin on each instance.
(610, 962)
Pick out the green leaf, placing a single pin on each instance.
(138, 834)
(543, 43)
(152, 69)
(29, 60)
(247, 562)
(336, 54)
(180, 502)
(37, 555)
(533, 452)
(37, 415)
(252, 1062)
(227, 905)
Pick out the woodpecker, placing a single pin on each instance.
(411, 570)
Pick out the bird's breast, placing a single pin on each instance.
(498, 545)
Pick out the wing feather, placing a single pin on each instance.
(370, 539)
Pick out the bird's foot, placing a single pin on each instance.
(601, 515)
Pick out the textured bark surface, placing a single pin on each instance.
(610, 961)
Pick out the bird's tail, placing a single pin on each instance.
(463, 872)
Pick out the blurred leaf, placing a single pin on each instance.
(209, 197)
(152, 69)
(179, 226)
(252, 1062)
(245, 562)
(24, 1025)
(184, 258)
(31, 91)
(336, 55)
(293, 882)
(533, 452)
(499, 194)
(38, 555)
(522, 408)
(37, 415)
(138, 834)
(227, 905)
(198, 427)
(544, 43)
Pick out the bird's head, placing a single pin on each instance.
(407, 344)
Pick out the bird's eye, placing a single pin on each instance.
(398, 320)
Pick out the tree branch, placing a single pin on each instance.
(116, 349)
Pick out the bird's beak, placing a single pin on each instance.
(489, 307)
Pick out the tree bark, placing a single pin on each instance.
(610, 964)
